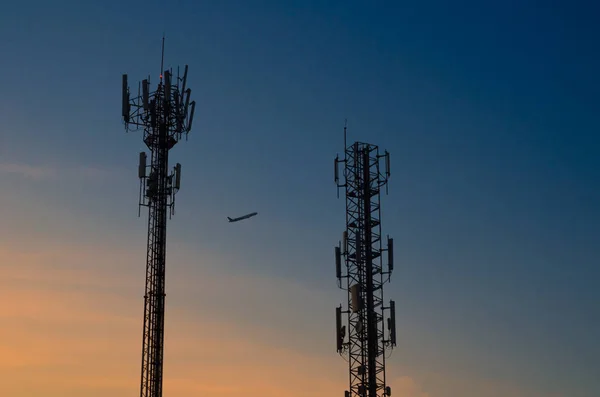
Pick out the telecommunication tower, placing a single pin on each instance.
(360, 331)
(164, 115)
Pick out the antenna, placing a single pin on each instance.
(392, 323)
(338, 263)
(336, 164)
(361, 250)
(387, 169)
(142, 165)
(177, 176)
(335, 170)
(162, 57)
(163, 121)
(125, 100)
(339, 328)
(183, 81)
(387, 164)
(167, 86)
(193, 105)
(187, 103)
(145, 94)
(345, 127)
(390, 251)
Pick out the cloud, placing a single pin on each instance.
(50, 172)
(28, 171)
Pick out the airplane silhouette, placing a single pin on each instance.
(242, 217)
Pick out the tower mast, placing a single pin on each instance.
(360, 331)
(164, 115)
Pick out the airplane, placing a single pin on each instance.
(242, 217)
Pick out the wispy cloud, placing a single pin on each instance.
(53, 172)
(28, 171)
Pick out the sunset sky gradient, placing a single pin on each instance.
(490, 115)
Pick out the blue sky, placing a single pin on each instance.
(489, 112)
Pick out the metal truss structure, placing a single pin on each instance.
(164, 115)
(362, 336)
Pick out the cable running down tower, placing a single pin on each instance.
(360, 331)
(164, 115)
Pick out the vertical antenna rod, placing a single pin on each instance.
(164, 119)
(162, 57)
(360, 328)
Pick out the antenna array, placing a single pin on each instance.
(360, 331)
(164, 115)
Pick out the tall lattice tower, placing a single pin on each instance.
(164, 115)
(360, 332)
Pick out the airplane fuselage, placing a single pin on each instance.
(242, 217)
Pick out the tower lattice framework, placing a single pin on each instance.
(360, 327)
(164, 115)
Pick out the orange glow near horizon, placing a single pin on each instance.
(72, 321)
(63, 336)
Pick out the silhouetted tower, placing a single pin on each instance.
(164, 115)
(360, 331)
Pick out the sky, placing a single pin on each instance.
(488, 111)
